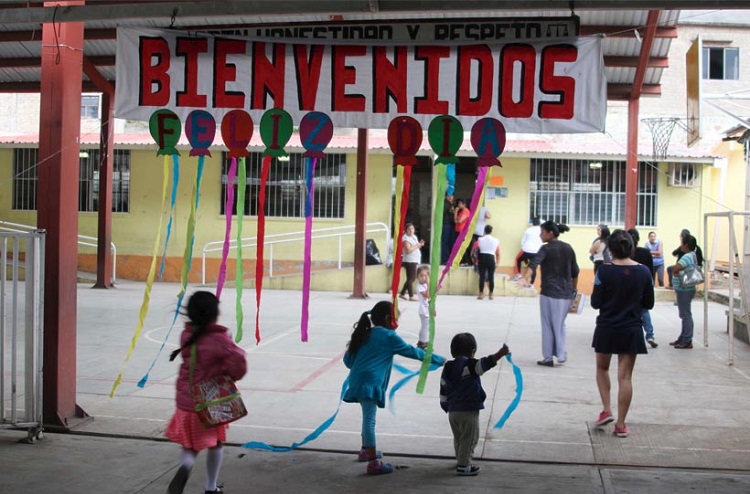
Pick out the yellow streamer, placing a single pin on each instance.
(149, 282)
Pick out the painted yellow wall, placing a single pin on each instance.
(134, 232)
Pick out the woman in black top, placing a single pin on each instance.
(622, 290)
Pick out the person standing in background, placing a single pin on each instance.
(642, 255)
(557, 260)
(482, 216)
(678, 253)
(489, 257)
(656, 248)
(599, 249)
(449, 226)
(410, 258)
(461, 217)
(531, 242)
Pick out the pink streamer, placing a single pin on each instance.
(306, 265)
(456, 250)
(228, 208)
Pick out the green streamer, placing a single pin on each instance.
(239, 272)
(437, 233)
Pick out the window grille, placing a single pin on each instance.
(25, 180)
(721, 63)
(286, 190)
(683, 175)
(584, 192)
(88, 182)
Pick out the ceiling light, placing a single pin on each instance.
(595, 165)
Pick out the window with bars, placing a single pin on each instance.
(90, 106)
(25, 180)
(88, 182)
(286, 189)
(721, 63)
(584, 192)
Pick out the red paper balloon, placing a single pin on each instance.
(405, 138)
(236, 130)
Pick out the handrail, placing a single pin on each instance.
(281, 238)
(82, 240)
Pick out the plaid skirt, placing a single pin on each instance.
(187, 430)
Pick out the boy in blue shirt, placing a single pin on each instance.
(462, 396)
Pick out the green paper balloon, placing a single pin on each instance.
(276, 129)
(165, 128)
(445, 134)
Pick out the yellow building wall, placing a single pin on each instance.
(134, 233)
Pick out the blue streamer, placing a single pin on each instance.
(181, 296)
(410, 374)
(519, 391)
(312, 436)
(175, 181)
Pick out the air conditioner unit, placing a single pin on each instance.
(683, 175)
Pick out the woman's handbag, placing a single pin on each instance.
(217, 400)
(691, 275)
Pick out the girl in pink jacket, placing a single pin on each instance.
(217, 355)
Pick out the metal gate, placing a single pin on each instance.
(21, 330)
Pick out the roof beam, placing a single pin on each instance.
(35, 87)
(647, 42)
(653, 62)
(623, 92)
(626, 31)
(22, 13)
(25, 62)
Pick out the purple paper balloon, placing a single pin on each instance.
(315, 132)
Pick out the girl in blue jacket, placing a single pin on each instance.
(369, 357)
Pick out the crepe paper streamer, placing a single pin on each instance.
(275, 130)
(187, 260)
(173, 200)
(149, 283)
(307, 255)
(450, 177)
(398, 233)
(437, 222)
(165, 128)
(239, 275)
(228, 208)
(310, 437)
(464, 238)
(259, 269)
(405, 139)
(517, 398)
(315, 131)
(410, 374)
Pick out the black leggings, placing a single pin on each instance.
(411, 275)
(487, 271)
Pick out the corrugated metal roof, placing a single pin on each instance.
(592, 22)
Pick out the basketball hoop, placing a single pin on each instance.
(661, 132)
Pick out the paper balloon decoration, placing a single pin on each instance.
(200, 129)
(315, 132)
(237, 130)
(488, 140)
(165, 128)
(445, 134)
(405, 139)
(276, 128)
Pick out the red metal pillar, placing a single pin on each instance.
(104, 210)
(57, 212)
(360, 215)
(631, 165)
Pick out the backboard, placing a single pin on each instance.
(693, 78)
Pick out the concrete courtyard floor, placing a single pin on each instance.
(688, 421)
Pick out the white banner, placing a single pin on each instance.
(531, 87)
